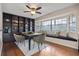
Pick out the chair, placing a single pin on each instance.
(19, 38)
(39, 39)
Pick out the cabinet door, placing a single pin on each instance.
(14, 24)
(26, 25)
(6, 23)
(6, 27)
(30, 25)
(21, 24)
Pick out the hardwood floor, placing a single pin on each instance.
(57, 50)
(10, 49)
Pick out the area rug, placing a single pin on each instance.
(24, 47)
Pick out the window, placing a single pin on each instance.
(58, 24)
(53, 25)
(46, 25)
(61, 24)
(37, 26)
(72, 23)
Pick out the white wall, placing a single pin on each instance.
(0, 29)
(59, 13)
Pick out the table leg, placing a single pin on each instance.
(29, 44)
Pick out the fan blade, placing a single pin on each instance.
(38, 8)
(39, 12)
(26, 11)
(27, 6)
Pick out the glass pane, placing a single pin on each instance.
(61, 24)
(37, 23)
(53, 25)
(37, 26)
(72, 23)
(46, 25)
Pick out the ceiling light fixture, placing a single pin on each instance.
(33, 12)
(33, 9)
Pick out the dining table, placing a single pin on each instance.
(29, 37)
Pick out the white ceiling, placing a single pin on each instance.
(19, 8)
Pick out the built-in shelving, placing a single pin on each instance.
(15, 24)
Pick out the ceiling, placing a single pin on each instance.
(19, 8)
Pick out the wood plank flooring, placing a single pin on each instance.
(10, 49)
(57, 50)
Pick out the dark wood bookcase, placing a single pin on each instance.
(15, 24)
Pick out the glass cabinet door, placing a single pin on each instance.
(26, 25)
(30, 25)
(21, 24)
(14, 24)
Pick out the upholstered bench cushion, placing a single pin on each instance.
(62, 37)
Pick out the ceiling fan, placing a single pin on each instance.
(33, 10)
